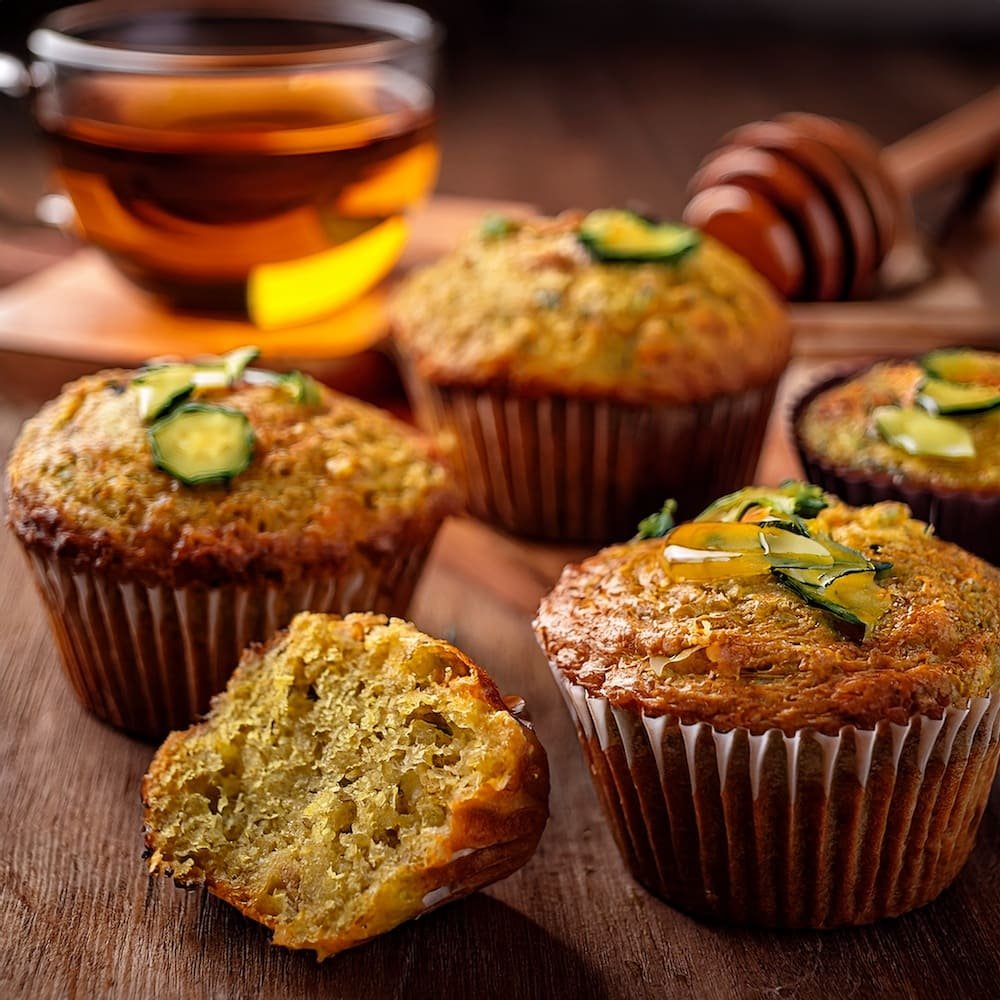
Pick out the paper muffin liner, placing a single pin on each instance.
(561, 468)
(801, 831)
(966, 518)
(147, 659)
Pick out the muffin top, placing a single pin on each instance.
(841, 426)
(529, 306)
(635, 627)
(326, 474)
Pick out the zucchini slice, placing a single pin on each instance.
(236, 362)
(199, 443)
(302, 388)
(789, 548)
(714, 550)
(792, 499)
(964, 365)
(815, 567)
(623, 237)
(853, 596)
(919, 433)
(158, 388)
(713, 564)
(938, 396)
(226, 370)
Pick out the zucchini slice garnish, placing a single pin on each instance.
(199, 443)
(619, 236)
(792, 499)
(160, 387)
(812, 565)
(226, 370)
(853, 596)
(920, 433)
(236, 362)
(963, 365)
(951, 398)
(302, 388)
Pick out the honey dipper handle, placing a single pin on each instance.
(955, 144)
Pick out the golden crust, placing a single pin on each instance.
(533, 312)
(488, 836)
(836, 428)
(761, 657)
(324, 479)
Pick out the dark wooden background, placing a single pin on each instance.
(533, 118)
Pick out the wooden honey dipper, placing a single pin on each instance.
(816, 206)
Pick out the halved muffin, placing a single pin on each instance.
(354, 774)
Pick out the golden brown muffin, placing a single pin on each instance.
(841, 448)
(325, 478)
(531, 309)
(735, 713)
(355, 774)
(554, 370)
(154, 586)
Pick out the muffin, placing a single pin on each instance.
(175, 514)
(354, 774)
(923, 431)
(590, 365)
(789, 706)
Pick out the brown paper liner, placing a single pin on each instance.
(791, 831)
(565, 469)
(148, 659)
(967, 518)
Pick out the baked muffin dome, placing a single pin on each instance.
(563, 354)
(530, 308)
(836, 427)
(172, 516)
(750, 653)
(324, 477)
(791, 716)
(923, 431)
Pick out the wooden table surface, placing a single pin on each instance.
(79, 918)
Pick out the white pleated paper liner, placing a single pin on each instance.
(791, 831)
(561, 468)
(148, 659)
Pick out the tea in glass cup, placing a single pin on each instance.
(243, 157)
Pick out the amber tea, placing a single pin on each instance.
(283, 196)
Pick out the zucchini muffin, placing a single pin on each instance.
(354, 774)
(590, 364)
(924, 431)
(789, 706)
(175, 514)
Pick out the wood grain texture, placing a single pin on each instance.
(79, 918)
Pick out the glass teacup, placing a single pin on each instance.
(251, 155)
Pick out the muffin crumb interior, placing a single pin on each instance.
(327, 777)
